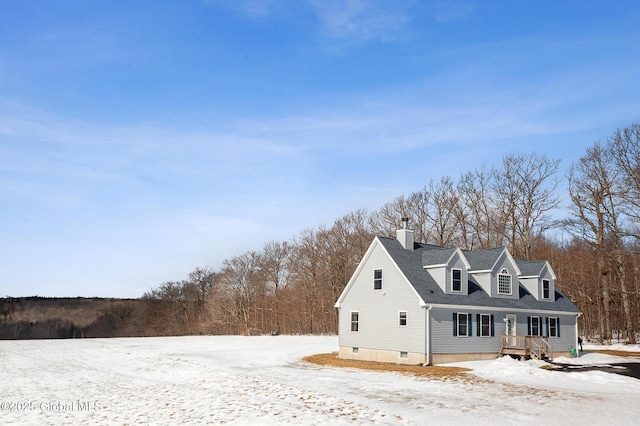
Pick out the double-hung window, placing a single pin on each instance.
(554, 329)
(355, 319)
(504, 282)
(485, 325)
(534, 326)
(546, 289)
(456, 280)
(461, 324)
(403, 318)
(377, 279)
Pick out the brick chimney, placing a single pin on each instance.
(405, 235)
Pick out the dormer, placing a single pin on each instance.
(449, 268)
(538, 278)
(495, 271)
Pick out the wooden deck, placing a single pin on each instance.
(526, 346)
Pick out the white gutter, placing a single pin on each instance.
(427, 325)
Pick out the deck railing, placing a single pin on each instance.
(534, 346)
(513, 342)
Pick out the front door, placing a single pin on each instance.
(510, 320)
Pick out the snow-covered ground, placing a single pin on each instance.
(262, 380)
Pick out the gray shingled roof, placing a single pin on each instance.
(530, 268)
(481, 260)
(410, 263)
(434, 255)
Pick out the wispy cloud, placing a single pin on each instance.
(44, 158)
(452, 11)
(361, 20)
(354, 20)
(249, 8)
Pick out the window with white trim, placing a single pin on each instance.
(355, 319)
(461, 324)
(355, 350)
(485, 325)
(534, 326)
(456, 280)
(377, 279)
(404, 355)
(504, 282)
(403, 318)
(553, 327)
(546, 289)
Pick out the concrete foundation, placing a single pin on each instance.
(412, 358)
(377, 355)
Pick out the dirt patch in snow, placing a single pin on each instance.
(435, 372)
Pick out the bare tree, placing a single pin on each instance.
(444, 212)
(526, 188)
(591, 191)
(201, 282)
(239, 279)
(475, 190)
(276, 265)
(308, 276)
(385, 221)
(625, 151)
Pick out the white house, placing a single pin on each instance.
(413, 303)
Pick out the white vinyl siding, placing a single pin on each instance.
(444, 340)
(444, 327)
(378, 325)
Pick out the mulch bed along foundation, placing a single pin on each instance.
(616, 353)
(436, 372)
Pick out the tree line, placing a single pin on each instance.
(589, 234)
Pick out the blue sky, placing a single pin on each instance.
(140, 139)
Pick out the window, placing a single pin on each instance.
(534, 326)
(404, 355)
(354, 321)
(546, 289)
(377, 279)
(461, 324)
(355, 350)
(554, 329)
(403, 319)
(504, 282)
(485, 325)
(456, 280)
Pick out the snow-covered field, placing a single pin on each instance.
(262, 380)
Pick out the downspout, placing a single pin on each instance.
(576, 343)
(339, 334)
(427, 337)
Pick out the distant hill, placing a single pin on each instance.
(51, 317)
